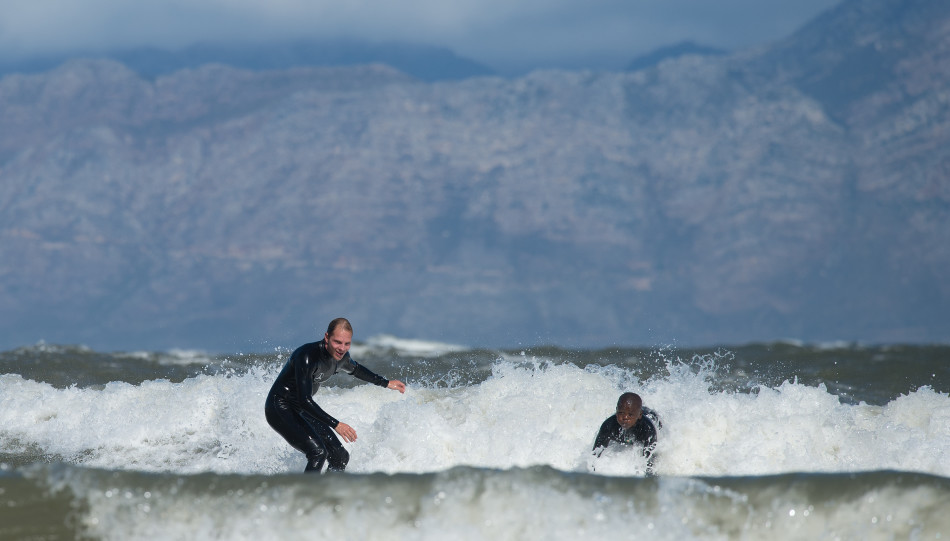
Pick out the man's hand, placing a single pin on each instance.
(396, 385)
(346, 431)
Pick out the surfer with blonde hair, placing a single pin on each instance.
(291, 410)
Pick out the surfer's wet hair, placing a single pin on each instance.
(337, 323)
(630, 398)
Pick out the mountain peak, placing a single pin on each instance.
(675, 50)
(864, 47)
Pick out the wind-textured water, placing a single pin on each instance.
(777, 441)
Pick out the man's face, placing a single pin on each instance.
(628, 414)
(338, 343)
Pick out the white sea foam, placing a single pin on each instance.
(523, 415)
(486, 504)
(835, 344)
(170, 357)
(406, 345)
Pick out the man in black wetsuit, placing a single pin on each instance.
(291, 411)
(629, 427)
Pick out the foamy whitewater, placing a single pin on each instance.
(781, 440)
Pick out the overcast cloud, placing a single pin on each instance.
(504, 34)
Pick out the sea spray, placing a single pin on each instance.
(483, 444)
(478, 503)
(526, 412)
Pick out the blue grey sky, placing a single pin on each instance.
(504, 34)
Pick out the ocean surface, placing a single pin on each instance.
(762, 441)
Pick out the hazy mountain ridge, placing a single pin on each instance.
(676, 50)
(425, 62)
(715, 199)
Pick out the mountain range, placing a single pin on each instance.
(797, 190)
(424, 62)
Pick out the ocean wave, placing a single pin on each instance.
(64, 501)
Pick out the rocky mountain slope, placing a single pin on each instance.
(800, 190)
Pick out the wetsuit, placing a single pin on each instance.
(642, 433)
(291, 411)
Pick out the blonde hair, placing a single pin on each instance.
(337, 323)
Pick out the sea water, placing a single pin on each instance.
(783, 440)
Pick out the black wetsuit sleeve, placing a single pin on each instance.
(649, 446)
(304, 385)
(603, 436)
(361, 372)
(317, 413)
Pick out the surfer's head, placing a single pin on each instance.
(629, 409)
(338, 337)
